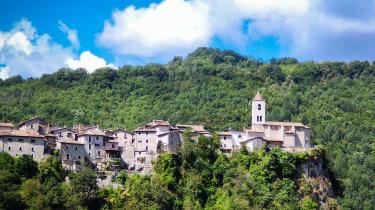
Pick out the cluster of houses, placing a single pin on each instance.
(112, 149)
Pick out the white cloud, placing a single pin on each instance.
(88, 61)
(309, 29)
(72, 34)
(4, 72)
(26, 53)
(171, 27)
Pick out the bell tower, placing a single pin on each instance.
(258, 110)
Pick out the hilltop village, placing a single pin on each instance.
(109, 150)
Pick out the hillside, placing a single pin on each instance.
(214, 88)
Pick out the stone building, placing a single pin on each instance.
(282, 134)
(23, 142)
(153, 139)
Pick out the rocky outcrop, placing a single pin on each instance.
(315, 181)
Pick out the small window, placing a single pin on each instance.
(225, 137)
(67, 156)
(139, 152)
(69, 134)
(146, 148)
(20, 148)
(32, 141)
(98, 153)
(32, 149)
(67, 147)
(146, 133)
(31, 126)
(97, 138)
(89, 154)
(259, 107)
(146, 141)
(139, 141)
(20, 140)
(89, 138)
(76, 148)
(89, 146)
(9, 148)
(79, 157)
(257, 118)
(113, 146)
(260, 118)
(10, 139)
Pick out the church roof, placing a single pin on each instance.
(258, 97)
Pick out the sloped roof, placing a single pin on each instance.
(295, 124)
(224, 133)
(6, 125)
(21, 133)
(195, 128)
(71, 142)
(34, 118)
(258, 97)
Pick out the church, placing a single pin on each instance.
(290, 135)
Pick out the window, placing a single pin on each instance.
(89, 138)
(32, 141)
(146, 141)
(97, 138)
(146, 148)
(9, 148)
(139, 141)
(32, 149)
(20, 140)
(89, 146)
(79, 157)
(76, 148)
(31, 126)
(113, 146)
(20, 148)
(225, 137)
(89, 154)
(261, 118)
(139, 152)
(259, 107)
(67, 147)
(98, 153)
(10, 139)
(97, 145)
(225, 145)
(67, 156)
(257, 118)
(69, 134)
(146, 133)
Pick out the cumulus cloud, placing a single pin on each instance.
(71, 33)
(171, 27)
(26, 53)
(88, 61)
(307, 29)
(4, 72)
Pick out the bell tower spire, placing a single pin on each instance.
(258, 110)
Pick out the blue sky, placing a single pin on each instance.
(38, 37)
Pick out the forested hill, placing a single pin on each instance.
(214, 88)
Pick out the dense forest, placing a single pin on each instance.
(214, 88)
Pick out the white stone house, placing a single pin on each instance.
(72, 154)
(153, 139)
(22, 142)
(36, 124)
(281, 134)
(227, 144)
